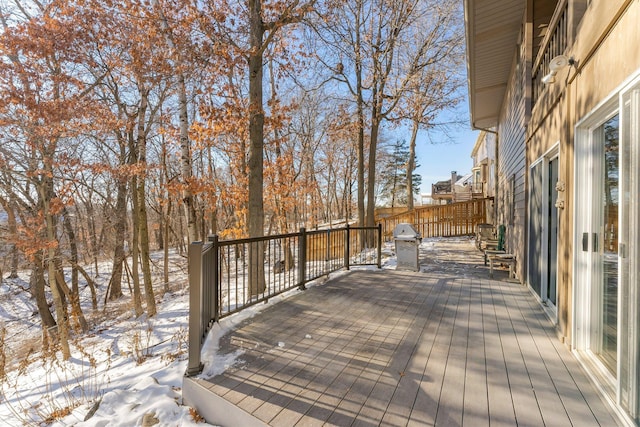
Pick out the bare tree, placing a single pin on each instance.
(261, 34)
(378, 49)
(185, 145)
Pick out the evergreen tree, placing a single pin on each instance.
(393, 179)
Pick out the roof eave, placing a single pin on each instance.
(492, 29)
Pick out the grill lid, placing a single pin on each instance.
(405, 231)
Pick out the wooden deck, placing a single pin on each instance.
(398, 348)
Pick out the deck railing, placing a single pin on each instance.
(554, 43)
(454, 219)
(477, 187)
(228, 276)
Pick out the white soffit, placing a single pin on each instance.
(492, 29)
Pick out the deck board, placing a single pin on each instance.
(568, 377)
(476, 409)
(451, 399)
(400, 348)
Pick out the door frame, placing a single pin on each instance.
(551, 154)
(587, 239)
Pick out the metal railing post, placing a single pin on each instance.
(216, 277)
(302, 258)
(379, 245)
(328, 248)
(347, 249)
(195, 308)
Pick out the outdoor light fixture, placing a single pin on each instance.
(549, 78)
(556, 64)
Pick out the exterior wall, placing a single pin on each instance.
(546, 130)
(510, 200)
(608, 51)
(606, 48)
(603, 37)
(601, 67)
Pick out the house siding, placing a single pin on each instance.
(511, 194)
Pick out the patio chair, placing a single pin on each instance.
(503, 259)
(485, 235)
(496, 246)
(498, 254)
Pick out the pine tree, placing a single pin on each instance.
(393, 180)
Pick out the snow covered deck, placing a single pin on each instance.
(400, 348)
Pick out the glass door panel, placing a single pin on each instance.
(552, 236)
(535, 228)
(608, 254)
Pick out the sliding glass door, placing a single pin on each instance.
(607, 245)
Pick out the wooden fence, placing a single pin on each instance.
(455, 219)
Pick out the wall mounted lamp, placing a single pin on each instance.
(555, 65)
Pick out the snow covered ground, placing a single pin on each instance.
(126, 372)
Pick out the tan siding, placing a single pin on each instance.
(603, 67)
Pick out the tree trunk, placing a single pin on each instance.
(213, 213)
(135, 248)
(371, 177)
(92, 287)
(93, 235)
(183, 116)
(165, 219)
(165, 249)
(119, 256)
(360, 113)
(76, 309)
(58, 300)
(411, 164)
(13, 231)
(145, 253)
(37, 285)
(185, 149)
(143, 227)
(256, 146)
(283, 189)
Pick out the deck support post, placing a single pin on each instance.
(194, 366)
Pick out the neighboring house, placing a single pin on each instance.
(457, 189)
(484, 164)
(442, 191)
(463, 188)
(484, 156)
(427, 200)
(558, 85)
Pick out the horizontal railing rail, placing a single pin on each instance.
(227, 276)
